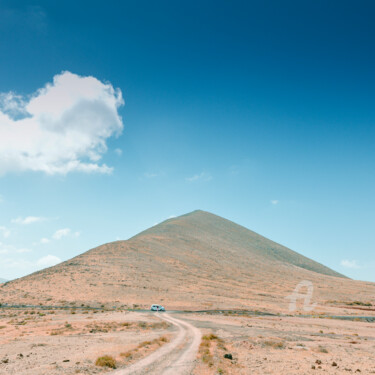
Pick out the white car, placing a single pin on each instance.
(157, 308)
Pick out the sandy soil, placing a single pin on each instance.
(286, 345)
(42, 342)
(62, 343)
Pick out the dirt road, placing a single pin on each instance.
(175, 358)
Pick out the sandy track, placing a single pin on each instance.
(174, 358)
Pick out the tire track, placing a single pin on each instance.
(161, 361)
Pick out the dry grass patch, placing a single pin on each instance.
(143, 349)
(275, 344)
(106, 361)
(211, 354)
(321, 349)
(121, 326)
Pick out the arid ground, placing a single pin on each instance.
(84, 315)
(39, 342)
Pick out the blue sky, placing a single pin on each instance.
(260, 112)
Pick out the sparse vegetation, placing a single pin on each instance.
(210, 344)
(322, 349)
(275, 344)
(106, 361)
(359, 303)
(144, 346)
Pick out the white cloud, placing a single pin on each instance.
(199, 177)
(48, 261)
(19, 264)
(44, 240)
(5, 232)
(118, 151)
(12, 104)
(350, 263)
(62, 127)
(8, 249)
(23, 250)
(17, 267)
(61, 233)
(275, 201)
(28, 220)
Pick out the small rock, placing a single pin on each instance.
(66, 360)
(318, 362)
(334, 364)
(5, 360)
(313, 367)
(228, 356)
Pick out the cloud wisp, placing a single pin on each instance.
(24, 266)
(4, 231)
(9, 249)
(48, 261)
(61, 128)
(350, 264)
(203, 176)
(59, 234)
(28, 220)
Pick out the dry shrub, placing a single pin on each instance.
(274, 344)
(127, 355)
(209, 337)
(106, 361)
(144, 343)
(322, 349)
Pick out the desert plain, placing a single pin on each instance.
(61, 342)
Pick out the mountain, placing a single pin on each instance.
(2, 280)
(194, 261)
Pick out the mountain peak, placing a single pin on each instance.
(196, 260)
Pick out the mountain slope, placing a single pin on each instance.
(2, 280)
(198, 260)
(212, 230)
